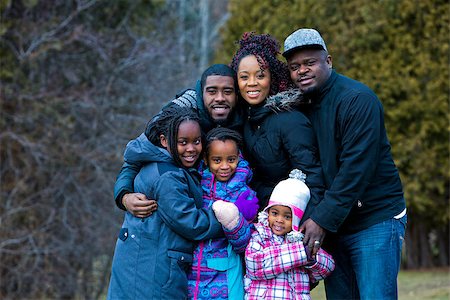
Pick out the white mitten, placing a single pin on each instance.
(226, 213)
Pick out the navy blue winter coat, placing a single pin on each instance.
(153, 254)
(363, 185)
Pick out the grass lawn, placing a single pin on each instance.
(413, 285)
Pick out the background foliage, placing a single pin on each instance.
(399, 48)
(80, 78)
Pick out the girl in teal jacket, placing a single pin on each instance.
(153, 254)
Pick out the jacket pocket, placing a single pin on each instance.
(123, 234)
(180, 263)
(183, 259)
(123, 270)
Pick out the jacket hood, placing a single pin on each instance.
(142, 150)
(227, 190)
(206, 122)
(266, 233)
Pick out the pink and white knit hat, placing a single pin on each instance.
(291, 192)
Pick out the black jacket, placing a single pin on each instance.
(363, 186)
(276, 143)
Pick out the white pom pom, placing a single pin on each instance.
(297, 174)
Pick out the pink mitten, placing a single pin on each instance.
(226, 213)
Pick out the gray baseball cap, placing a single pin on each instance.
(303, 38)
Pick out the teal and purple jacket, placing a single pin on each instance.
(216, 271)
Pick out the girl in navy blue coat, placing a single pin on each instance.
(153, 254)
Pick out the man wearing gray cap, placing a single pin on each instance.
(363, 210)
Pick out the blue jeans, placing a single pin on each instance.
(367, 262)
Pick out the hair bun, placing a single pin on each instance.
(252, 40)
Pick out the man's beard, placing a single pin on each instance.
(222, 122)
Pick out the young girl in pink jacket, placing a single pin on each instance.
(278, 265)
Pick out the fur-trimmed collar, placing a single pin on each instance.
(284, 101)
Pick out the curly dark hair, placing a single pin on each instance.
(266, 49)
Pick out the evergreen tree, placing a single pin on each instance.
(400, 49)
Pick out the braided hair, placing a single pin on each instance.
(266, 49)
(167, 123)
(222, 134)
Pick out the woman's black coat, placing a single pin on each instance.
(277, 142)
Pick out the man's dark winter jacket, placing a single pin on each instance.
(363, 185)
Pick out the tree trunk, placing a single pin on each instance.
(181, 31)
(425, 258)
(204, 29)
(443, 246)
(411, 246)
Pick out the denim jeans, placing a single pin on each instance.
(367, 262)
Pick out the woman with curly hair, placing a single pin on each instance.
(277, 138)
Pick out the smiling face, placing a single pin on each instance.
(219, 96)
(254, 83)
(189, 143)
(280, 219)
(309, 68)
(222, 159)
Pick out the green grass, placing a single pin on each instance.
(413, 285)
